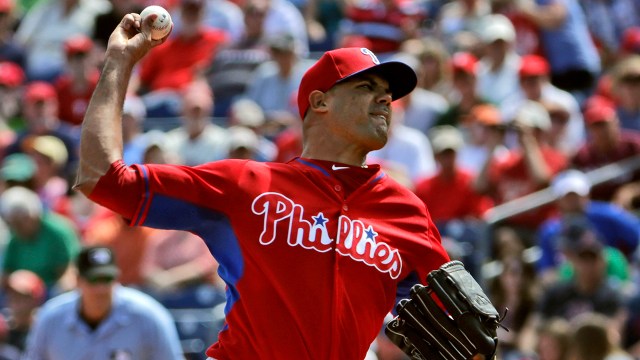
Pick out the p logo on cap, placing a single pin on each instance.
(341, 64)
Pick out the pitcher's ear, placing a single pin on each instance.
(317, 101)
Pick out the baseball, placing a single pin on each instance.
(162, 25)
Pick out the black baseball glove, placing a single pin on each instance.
(450, 319)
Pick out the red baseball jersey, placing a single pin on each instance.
(312, 251)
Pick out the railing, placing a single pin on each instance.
(545, 196)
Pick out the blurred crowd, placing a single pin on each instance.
(533, 104)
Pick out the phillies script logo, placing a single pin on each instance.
(353, 239)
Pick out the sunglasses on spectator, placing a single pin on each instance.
(101, 279)
(631, 79)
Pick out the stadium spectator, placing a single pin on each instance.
(498, 67)
(552, 339)
(43, 30)
(176, 267)
(560, 115)
(25, 293)
(10, 50)
(231, 71)
(590, 289)
(11, 80)
(128, 241)
(323, 20)
(80, 77)
(198, 139)
(630, 42)
(274, 82)
(283, 17)
(41, 241)
(247, 114)
(408, 150)
(483, 128)
(289, 142)
(619, 229)
(573, 58)
(102, 319)
(534, 85)
(223, 15)
(464, 66)
(183, 57)
(18, 170)
(515, 288)
(527, 39)
(607, 22)
(529, 167)
(422, 107)
(40, 111)
(461, 18)
(134, 113)
(107, 21)
(626, 92)
(50, 156)
(607, 143)
(592, 337)
(435, 69)
(449, 193)
(382, 24)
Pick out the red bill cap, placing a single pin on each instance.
(464, 62)
(11, 74)
(79, 44)
(39, 91)
(598, 109)
(533, 65)
(341, 64)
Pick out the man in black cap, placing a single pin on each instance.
(590, 289)
(101, 319)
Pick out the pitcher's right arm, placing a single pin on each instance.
(101, 138)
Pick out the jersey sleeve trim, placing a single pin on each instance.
(141, 213)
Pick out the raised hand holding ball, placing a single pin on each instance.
(161, 25)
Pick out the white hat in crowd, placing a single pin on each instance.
(446, 137)
(571, 181)
(534, 114)
(498, 27)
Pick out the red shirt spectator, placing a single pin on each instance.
(607, 144)
(384, 23)
(76, 85)
(449, 194)
(175, 64)
(452, 198)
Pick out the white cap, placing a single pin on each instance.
(534, 114)
(571, 181)
(18, 200)
(498, 27)
(247, 112)
(240, 136)
(446, 137)
(134, 106)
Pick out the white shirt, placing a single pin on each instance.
(423, 109)
(499, 85)
(410, 149)
(44, 29)
(138, 327)
(211, 145)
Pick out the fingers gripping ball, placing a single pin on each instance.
(161, 25)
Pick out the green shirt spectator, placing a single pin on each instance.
(616, 262)
(42, 242)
